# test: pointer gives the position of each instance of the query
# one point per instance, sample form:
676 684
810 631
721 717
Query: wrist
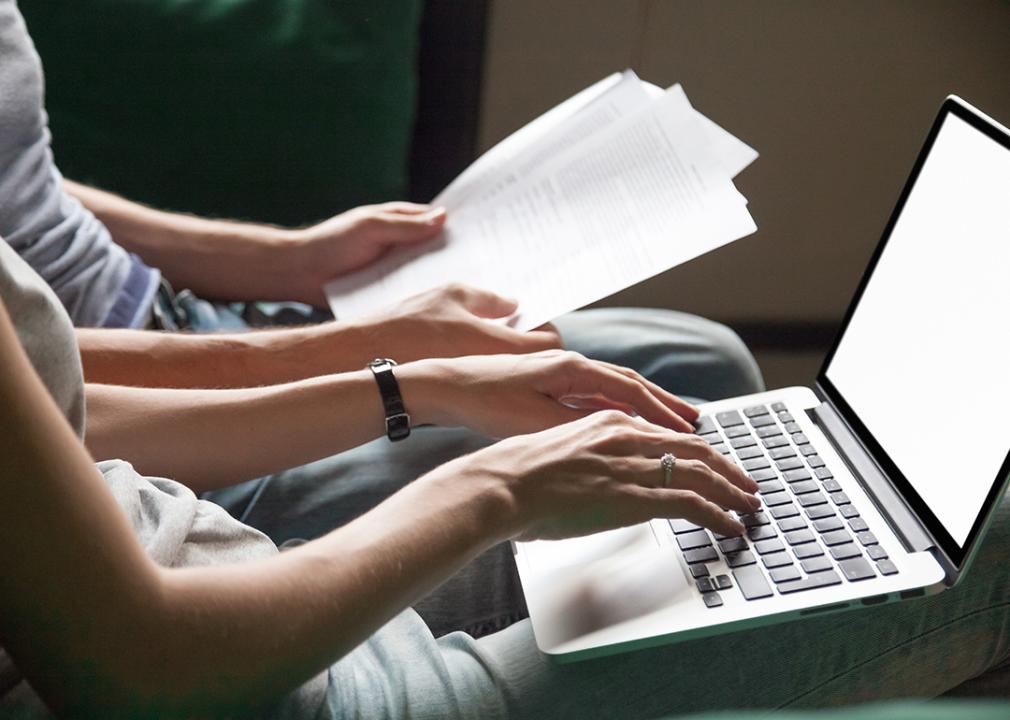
426 391
473 483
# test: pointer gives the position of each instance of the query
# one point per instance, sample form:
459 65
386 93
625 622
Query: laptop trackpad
590 583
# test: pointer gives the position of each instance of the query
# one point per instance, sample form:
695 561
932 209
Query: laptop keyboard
807 534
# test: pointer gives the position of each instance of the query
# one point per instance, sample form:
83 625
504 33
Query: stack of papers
618 183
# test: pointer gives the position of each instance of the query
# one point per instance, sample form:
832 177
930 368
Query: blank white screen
923 362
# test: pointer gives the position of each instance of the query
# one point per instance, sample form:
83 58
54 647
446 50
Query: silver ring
667 462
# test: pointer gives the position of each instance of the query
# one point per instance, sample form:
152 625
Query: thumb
484 303
399 227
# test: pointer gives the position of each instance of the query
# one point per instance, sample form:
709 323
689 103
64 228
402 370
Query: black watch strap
397 419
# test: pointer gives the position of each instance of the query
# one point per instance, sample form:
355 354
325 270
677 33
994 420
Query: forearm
145 358
213 258
135 639
248 633
209 439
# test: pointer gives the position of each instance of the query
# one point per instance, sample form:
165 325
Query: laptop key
712 438
840 498
683 526
856 569
705 554
848 511
728 418
699 571
784 511
846 551
756 463
712 599
743 441
796 475
761 532
692 540
705 584
806 450
811 582
876 552
774 441
752 583
776 498
755 410
704 424
858 524
722 582
770 545
815 565
766 474
799 537
867 538
815 461
836 537
739 559
811 499
778 407
749 453
780 453
807 550
886 567
820 511
732 545
753 519
804 486
792 428
792 523
786 417
768 431
822 473
763 421
800 439
770 486
778 559
790 464
828 524
832 485
785 574
737 431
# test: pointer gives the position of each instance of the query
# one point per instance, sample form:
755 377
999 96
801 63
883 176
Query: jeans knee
736 365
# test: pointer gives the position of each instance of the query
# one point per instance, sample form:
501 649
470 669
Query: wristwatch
397 419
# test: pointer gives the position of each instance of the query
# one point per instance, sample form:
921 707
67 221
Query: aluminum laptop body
872 493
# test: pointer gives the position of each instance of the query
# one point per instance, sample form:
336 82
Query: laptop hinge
890 503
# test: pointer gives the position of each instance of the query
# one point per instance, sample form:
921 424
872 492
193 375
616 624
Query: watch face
398 426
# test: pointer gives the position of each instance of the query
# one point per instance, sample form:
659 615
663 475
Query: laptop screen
922 363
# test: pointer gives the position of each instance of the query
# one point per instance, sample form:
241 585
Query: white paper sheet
630 200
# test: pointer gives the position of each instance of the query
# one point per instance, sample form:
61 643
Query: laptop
872 490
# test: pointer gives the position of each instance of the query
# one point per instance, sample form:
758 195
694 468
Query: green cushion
941 709
276 110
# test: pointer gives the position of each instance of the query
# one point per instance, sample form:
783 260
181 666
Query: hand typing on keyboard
602 472
807 534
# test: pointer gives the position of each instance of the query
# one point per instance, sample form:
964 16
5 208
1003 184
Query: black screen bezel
948 545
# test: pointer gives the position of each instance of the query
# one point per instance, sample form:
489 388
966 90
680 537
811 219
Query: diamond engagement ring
667 462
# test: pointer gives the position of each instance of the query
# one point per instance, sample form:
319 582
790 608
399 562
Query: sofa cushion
276 110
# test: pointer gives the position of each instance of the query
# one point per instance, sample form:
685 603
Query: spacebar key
817 580
751 582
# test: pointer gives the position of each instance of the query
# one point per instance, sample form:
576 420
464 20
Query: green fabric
276 110
923 710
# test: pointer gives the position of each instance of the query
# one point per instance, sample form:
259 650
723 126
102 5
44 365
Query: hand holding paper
618 184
